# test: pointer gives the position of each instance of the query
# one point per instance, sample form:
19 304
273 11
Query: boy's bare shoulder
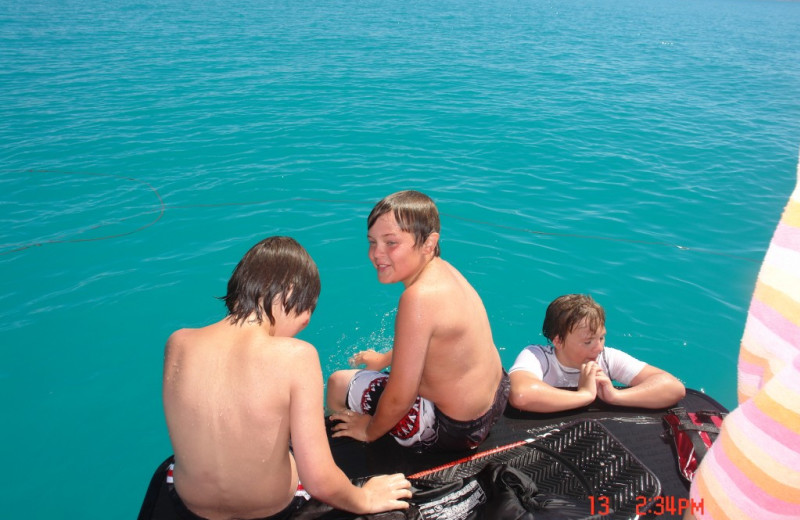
420 298
181 335
188 336
291 347
192 333
179 339
283 357
441 281
213 336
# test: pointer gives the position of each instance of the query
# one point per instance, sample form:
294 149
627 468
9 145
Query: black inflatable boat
606 462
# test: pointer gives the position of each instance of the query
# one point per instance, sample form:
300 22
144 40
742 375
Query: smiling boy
447 386
578 358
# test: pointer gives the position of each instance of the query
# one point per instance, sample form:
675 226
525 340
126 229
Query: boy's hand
386 492
587 379
351 424
605 388
371 359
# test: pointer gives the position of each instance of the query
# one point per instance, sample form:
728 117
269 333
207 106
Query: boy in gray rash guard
578 358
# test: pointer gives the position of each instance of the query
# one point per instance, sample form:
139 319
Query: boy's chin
385 278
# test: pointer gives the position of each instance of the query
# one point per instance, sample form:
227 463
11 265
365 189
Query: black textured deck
566 461
618 451
638 429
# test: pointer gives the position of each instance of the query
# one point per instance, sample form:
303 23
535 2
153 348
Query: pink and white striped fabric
753 469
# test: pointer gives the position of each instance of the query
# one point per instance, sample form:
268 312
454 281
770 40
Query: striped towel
753 469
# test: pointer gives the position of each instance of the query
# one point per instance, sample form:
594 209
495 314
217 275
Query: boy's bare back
442 305
226 397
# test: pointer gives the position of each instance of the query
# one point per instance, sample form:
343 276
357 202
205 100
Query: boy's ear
277 305
557 341
430 243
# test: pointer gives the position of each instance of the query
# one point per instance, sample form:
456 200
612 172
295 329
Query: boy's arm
651 388
372 360
413 331
531 394
318 472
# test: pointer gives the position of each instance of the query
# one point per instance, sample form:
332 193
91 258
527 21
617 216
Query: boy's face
393 253
580 346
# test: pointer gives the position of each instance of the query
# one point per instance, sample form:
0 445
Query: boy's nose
376 252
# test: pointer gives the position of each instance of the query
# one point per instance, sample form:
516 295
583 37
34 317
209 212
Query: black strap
693 430
690 426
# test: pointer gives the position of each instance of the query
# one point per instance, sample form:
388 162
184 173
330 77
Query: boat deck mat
639 430
630 436
576 459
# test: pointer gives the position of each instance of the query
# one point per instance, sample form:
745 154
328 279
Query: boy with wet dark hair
447 386
237 392
264 274
578 358
566 312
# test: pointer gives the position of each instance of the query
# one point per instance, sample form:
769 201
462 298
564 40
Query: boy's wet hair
276 267
566 312
414 212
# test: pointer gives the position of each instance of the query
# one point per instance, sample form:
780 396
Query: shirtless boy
447 386
578 358
238 391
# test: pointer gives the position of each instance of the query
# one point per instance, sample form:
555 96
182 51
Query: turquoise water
640 151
